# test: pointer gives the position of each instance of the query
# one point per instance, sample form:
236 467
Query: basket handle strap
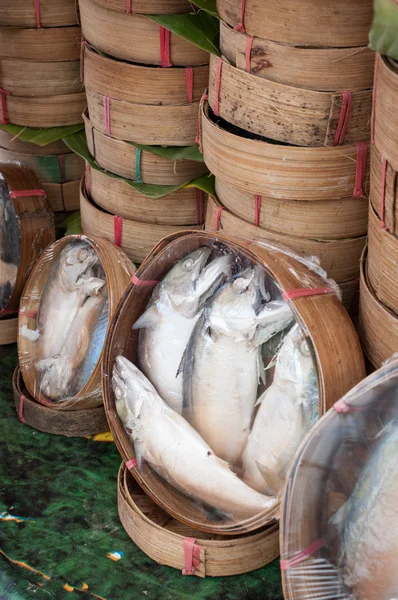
191 556
143 282
241 24
189 74
118 229
164 39
130 464
25 193
128 7
362 154
4 94
344 119
37 13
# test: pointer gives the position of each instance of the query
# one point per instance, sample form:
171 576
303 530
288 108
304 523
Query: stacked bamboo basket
41 87
143 87
286 125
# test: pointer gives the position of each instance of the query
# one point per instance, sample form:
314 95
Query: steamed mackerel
176 451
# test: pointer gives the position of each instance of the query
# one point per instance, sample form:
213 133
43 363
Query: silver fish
175 306
175 450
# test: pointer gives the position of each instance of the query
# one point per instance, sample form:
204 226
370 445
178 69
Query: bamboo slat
133 37
118 272
150 7
13 143
334 23
63 197
51 111
385 117
284 113
48 169
330 219
55 43
278 171
327 69
326 323
8 331
53 13
383 189
31 78
162 538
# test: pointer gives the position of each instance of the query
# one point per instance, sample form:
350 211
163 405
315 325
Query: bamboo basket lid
71 423
124 159
31 78
323 69
8 331
330 219
336 350
63 197
43 13
162 538
284 113
339 258
48 111
136 238
150 7
144 124
57 43
309 23
49 169
385 119
134 37
278 171
118 271
13 143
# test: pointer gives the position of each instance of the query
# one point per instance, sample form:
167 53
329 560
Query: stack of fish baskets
286 125
143 88
41 87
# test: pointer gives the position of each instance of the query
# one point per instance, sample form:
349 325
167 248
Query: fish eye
118 393
240 285
188 264
83 255
304 349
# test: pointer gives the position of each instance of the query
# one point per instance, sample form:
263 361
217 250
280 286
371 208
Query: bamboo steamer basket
114 195
323 69
118 272
336 348
334 23
49 169
30 78
350 295
134 37
13 143
330 219
63 197
121 157
162 537
8 331
150 7
47 111
385 119
339 258
284 113
76 423
51 13
278 171
383 189
57 43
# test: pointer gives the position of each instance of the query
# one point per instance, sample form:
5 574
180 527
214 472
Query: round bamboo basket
383 189
76 423
114 195
150 7
385 118
30 78
339 258
330 219
278 171
48 169
162 538
336 350
13 143
284 113
57 43
51 13
134 37
350 295
322 69
118 272
8 331
121 157
47 111
335 23
63 197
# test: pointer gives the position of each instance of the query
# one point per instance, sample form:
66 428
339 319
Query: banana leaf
43 136
73 224
173 152
201 29
383 35
209 6
204 183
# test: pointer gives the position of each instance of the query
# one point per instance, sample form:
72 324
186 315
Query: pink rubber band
373 117
344 119
343 408
199 129
143 282
241 25
4 94
86 176
82 46
128 6
25 193
301 556
257 209
189 83
20 409
37 13
218 218
130 464
362 152
118 229
61 164
200 206
383 193
217 87
164 38
28 313
8 311
191 556
107 115
249 45
304 292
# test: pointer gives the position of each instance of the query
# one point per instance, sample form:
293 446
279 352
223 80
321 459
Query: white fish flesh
175 450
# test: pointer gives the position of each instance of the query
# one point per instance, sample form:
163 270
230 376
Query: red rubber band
20 409
128 6
257 209
344 119
118 229
199 129
164 38
343 408
241 25
218 218
28 313
301 556
200 206
4 94
8 311
217 87
249 45
82 46
304 292
362 152
25 193
143 282
373 117
130 464
383 193
189 83
61 165
37 13
107 115
191 556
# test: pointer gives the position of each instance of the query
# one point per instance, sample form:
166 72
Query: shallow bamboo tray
162 538
150 7
332 23
49 169
71 423
284 113
48 111
133 37
330 219
326 69
63 197
385 117
8 331
53 13
31 78
339 258
55 43
13 143
278 171
336 348
118 272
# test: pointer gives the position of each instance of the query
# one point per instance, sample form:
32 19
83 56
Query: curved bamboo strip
48 169
328 327
53 13
8 331
13 143
330 219
134 37
31 78
323 69
385 117
150 7
332 23
57 43
278 171
284 113
51 111
63 197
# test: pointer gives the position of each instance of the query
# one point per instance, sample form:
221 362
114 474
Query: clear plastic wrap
10 244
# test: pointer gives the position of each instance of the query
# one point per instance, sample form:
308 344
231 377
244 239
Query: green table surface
59 524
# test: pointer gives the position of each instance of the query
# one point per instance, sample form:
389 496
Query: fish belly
57 312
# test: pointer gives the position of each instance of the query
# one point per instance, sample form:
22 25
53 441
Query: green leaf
210 6
41 137
205 183
73 224
383 35
201 29
173 153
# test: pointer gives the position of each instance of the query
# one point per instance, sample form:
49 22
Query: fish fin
182 362
274 482
148 318
261 375
91 286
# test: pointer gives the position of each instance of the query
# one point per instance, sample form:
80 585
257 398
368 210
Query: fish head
56 373
75 260
134 394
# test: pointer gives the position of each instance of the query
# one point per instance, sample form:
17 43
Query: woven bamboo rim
134 37
150 7
339 258
284 113
57 43
162 538
277 171
71 423
63 197
8 331
13 143
336 348
326 69
31 78
385 119
118 272
49 111
330 219
50 169
121 158
311 23
51 13
114 195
